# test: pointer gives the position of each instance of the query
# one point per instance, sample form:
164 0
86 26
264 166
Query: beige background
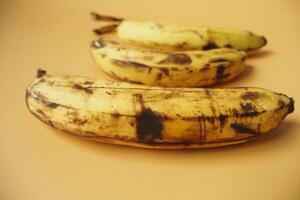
39 163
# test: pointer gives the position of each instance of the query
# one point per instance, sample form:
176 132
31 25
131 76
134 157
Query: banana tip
265 41
40 73
291 105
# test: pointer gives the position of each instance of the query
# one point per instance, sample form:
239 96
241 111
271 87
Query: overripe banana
166 68
154 117
171 36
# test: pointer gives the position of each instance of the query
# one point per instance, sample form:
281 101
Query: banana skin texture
180 37
166 68
155 117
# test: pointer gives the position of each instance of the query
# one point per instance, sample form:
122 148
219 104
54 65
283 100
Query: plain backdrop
40 163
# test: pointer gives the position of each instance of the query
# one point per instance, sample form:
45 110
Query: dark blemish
51 123
249 110
213 109
207 92
123 63
205 67
220 72
280 104
97 44
149 70
106 29
115 75
40 73
149 126
135 82
109 93
86 89
251 95
178 115
243 58
241 128
40 112
148 123
222 119
159 77
165 71
131 123
115 115
88 83
228 46
179 58
182 45
79 121
210 45
291 105
218 60
51 105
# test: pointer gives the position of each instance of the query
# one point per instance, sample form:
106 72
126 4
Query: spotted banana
166 68
155 117
172 36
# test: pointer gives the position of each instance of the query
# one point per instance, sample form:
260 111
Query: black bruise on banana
148 124
250 110
123 63
251 95
209 46
178 58
241 128
228 46
165 71
85 89
159 77
220 72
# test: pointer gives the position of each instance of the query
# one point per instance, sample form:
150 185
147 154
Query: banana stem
106 29
98 17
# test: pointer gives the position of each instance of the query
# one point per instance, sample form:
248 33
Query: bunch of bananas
161 110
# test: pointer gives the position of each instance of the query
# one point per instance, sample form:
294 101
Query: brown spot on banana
220 72
209 46
178 58
123 63
148 123
241 128
88 90
250 110
251 95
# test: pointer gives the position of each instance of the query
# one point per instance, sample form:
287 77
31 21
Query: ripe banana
155 117
165 68
172 36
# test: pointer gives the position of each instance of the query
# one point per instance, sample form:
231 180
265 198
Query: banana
179 37
155 117
166 68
